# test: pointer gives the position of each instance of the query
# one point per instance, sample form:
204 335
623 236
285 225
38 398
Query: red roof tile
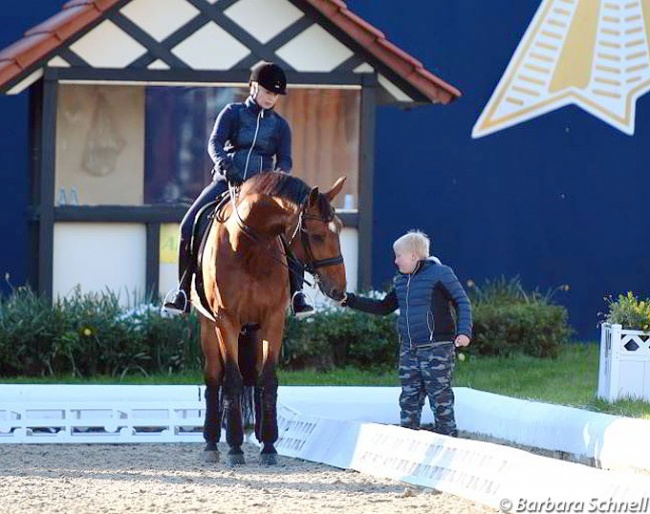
49 35
100 5
29 49
363 24
67 22
78 14
8 70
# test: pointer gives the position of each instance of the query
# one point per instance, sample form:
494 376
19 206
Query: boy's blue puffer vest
424 298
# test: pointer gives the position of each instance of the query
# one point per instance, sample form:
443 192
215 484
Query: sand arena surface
172 478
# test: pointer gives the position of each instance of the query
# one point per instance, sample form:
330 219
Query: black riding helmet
270 76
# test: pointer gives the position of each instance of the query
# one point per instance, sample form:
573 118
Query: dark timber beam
44 139
366 182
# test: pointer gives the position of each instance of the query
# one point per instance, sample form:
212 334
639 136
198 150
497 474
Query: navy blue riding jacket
250 138
424 299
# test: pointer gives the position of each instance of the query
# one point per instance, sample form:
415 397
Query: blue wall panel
560 199
16 17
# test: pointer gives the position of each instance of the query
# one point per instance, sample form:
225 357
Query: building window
100 141
134 145
179 123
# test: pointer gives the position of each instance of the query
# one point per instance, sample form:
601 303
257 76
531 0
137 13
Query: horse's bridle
312 264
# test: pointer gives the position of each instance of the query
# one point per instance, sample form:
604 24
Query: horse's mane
284 186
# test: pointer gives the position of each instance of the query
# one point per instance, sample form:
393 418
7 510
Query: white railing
100 414
624 363
331 425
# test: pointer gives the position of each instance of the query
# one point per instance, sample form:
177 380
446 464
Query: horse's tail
248 345
246 357
247 348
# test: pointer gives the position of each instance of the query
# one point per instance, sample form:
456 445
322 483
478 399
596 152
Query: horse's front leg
267 431
213 377
228 334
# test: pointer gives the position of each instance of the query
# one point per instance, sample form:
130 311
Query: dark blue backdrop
16 17
559 199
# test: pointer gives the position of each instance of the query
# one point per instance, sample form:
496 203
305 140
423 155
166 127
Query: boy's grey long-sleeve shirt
424 299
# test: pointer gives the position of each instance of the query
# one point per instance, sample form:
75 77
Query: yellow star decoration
591 53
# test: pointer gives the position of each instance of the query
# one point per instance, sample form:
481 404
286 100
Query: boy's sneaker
300 306
178 304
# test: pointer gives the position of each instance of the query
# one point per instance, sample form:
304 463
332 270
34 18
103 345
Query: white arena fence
340 426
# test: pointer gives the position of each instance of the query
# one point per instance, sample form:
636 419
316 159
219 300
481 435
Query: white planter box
624 363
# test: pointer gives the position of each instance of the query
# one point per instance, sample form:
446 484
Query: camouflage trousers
426 373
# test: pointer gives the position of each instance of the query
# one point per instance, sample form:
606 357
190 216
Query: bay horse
245 278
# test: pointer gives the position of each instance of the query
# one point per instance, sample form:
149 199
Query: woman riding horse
246 140
245 273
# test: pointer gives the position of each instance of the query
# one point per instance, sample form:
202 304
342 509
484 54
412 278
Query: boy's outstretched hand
461 340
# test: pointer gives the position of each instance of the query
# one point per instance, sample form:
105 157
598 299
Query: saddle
200 230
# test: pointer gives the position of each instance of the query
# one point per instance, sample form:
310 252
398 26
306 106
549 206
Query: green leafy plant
92 334
629 311
337 337
509 320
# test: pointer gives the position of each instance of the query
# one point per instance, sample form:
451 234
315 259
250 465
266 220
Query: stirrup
171 308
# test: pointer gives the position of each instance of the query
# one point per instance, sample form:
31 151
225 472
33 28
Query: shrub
28 328
535 329
90 334
508 319
630 312
336 337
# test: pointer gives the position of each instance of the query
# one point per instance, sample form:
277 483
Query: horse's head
319 247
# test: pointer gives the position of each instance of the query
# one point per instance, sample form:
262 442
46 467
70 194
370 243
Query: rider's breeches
426 372
296 274
209 194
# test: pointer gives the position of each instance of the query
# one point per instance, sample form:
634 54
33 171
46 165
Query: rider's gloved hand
232 175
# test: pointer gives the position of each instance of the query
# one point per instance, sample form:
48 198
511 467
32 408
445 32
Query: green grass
571 379
343 376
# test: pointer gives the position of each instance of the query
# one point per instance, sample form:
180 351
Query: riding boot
300 307
179 303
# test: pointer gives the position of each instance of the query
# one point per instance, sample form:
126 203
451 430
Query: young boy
423 290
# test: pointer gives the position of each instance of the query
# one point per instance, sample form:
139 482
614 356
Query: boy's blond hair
413 241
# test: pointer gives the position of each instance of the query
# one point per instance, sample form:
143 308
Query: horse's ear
336 189
313 196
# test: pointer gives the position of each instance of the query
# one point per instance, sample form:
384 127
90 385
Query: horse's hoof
268 459
211 456
211 452
236 458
